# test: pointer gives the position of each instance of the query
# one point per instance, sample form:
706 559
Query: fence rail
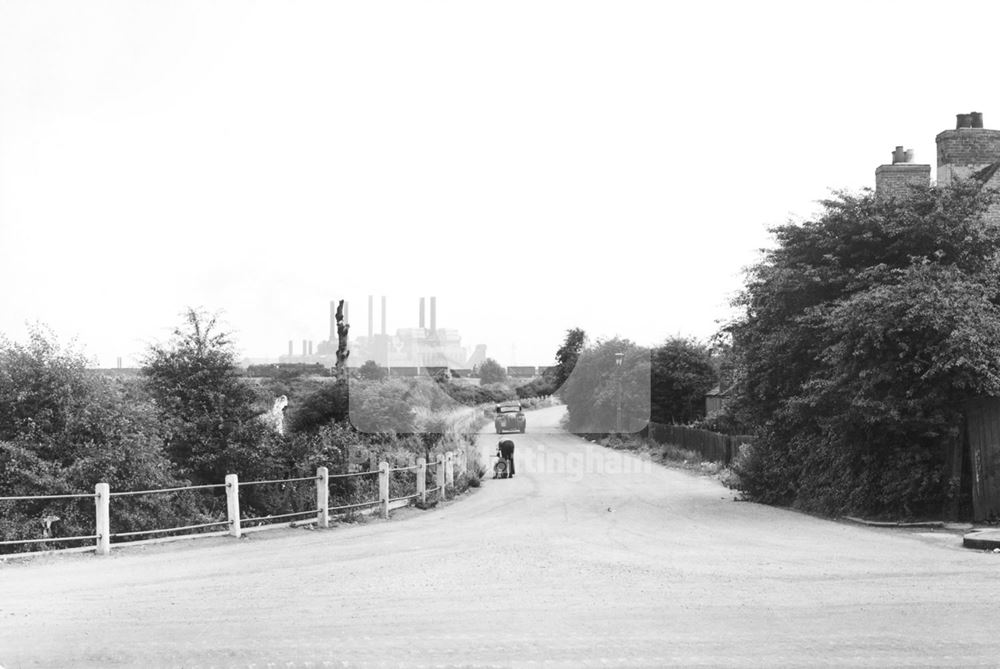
46 540
712 446
301 478
37 497
164 490
443 476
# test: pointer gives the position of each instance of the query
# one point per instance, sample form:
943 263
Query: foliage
371 371
322 406
191 416
287 371
863 334
682 372
591 392
206 409
536 388
567 355
722 421
63 430
384 406
491 372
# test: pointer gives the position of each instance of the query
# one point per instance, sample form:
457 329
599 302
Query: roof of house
987 172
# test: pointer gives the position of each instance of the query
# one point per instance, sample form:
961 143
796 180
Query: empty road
573 563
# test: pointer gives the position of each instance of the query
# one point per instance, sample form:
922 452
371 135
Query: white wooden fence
444 479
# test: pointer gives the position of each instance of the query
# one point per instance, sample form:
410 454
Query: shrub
491 372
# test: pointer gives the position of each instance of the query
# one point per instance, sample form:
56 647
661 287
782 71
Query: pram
500 468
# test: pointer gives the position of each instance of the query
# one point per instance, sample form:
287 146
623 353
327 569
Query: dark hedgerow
862 335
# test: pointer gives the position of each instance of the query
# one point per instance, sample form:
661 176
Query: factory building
407 349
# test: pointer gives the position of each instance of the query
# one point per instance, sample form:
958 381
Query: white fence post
322 497
439 478
102 502
449 468
422 480
233 504
383 488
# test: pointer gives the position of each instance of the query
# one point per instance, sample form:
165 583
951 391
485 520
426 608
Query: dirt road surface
558 567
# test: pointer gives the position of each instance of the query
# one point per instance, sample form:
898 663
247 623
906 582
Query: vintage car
509 418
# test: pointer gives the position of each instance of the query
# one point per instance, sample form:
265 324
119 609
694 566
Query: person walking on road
506 447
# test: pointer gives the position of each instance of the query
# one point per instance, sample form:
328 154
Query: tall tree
682 372
567 355
599 385
207 409
862 335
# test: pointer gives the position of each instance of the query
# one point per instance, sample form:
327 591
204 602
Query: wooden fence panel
711 446
983 425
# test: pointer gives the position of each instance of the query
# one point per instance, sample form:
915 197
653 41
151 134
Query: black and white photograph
544 334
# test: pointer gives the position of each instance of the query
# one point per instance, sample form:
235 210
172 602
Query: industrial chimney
422 324
291 347
383 315
433 315
371 316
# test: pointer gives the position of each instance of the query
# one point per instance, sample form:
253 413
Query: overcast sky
535 165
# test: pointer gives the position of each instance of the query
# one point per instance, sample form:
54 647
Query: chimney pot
976 119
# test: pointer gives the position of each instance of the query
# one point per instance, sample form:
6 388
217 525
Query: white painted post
422 480
102 502
449 468
439 478
233 504
322 497
383 488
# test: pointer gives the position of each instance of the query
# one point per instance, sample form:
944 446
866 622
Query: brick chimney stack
967 149
895 180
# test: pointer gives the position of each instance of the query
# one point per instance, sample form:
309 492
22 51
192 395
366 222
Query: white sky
536 165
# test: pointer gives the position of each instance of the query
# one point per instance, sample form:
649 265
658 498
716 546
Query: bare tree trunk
342 352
